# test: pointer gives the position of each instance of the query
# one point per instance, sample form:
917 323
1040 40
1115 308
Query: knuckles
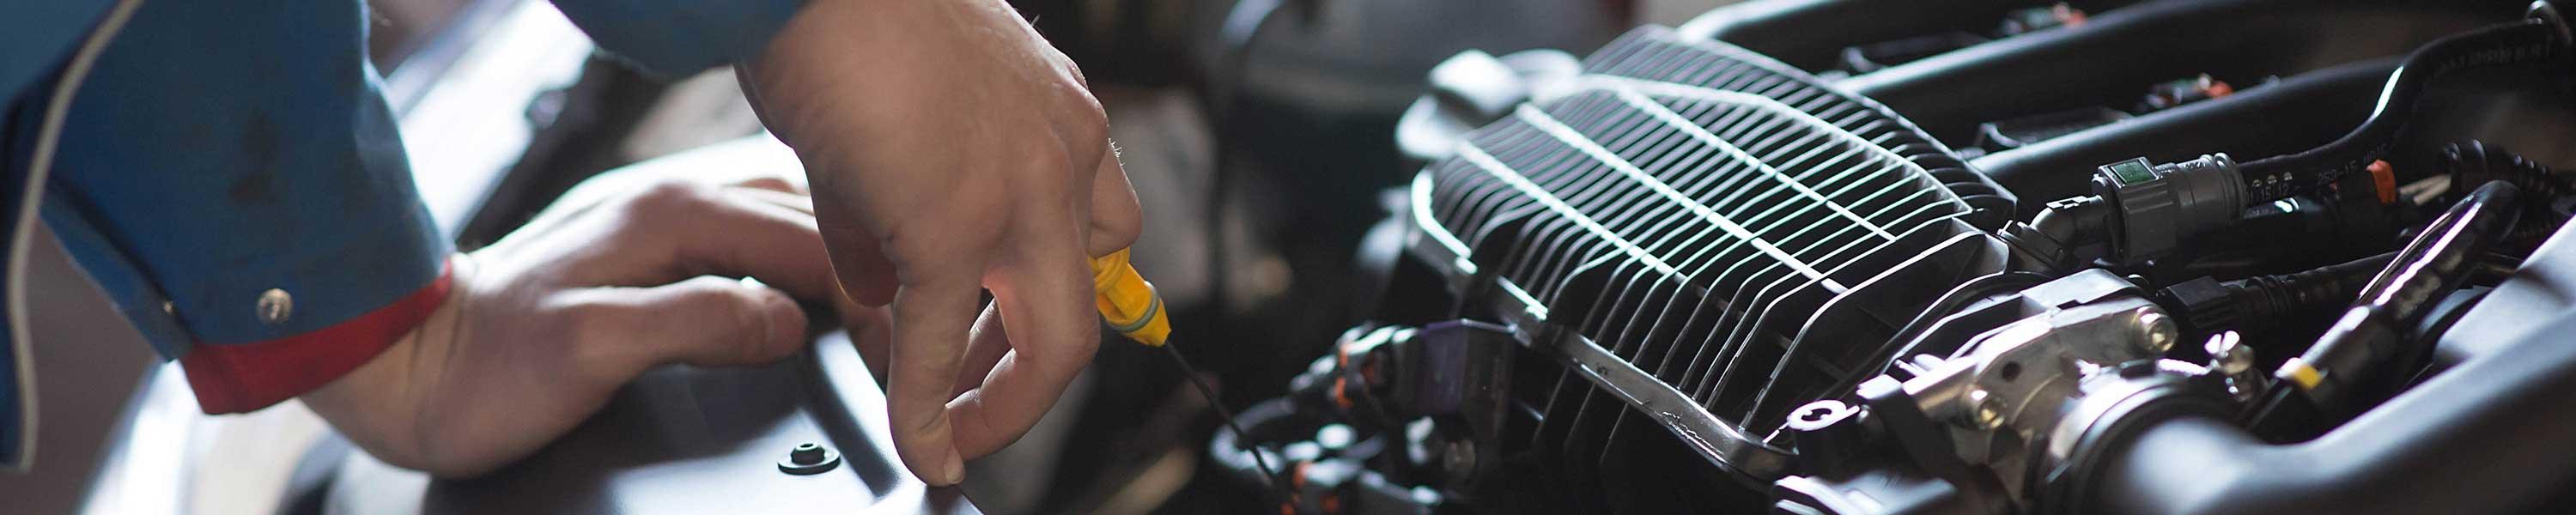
667 197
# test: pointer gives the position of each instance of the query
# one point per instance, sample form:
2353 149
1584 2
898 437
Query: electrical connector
2210 306
2138 211
2157 205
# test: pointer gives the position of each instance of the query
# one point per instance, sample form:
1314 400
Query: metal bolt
1989 410
2227 355
2230 358
2161 332
275 306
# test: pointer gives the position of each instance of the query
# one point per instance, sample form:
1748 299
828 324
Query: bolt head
1989 412
2228 355
2161 331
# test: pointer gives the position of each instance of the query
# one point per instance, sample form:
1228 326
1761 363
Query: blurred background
1260 136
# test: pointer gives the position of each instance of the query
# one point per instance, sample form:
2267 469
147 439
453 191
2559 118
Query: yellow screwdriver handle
1127 301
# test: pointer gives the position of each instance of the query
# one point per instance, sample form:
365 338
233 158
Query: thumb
1116 219
710 321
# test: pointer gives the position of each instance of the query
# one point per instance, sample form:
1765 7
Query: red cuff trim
246 377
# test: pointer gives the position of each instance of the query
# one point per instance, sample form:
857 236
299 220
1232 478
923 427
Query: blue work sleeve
35 40
37 36
230 175
680 37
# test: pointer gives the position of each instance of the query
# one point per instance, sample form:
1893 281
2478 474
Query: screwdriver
1129 304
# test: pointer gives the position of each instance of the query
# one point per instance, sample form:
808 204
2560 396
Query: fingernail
953 471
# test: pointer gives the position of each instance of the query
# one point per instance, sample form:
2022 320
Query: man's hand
951 151
540 328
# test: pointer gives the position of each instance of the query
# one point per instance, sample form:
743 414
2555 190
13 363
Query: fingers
1047 310
867 324
705 321
985 347
1116 220
1043 327
715 231
932 314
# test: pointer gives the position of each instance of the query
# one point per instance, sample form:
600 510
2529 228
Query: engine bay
1977 257
1572 256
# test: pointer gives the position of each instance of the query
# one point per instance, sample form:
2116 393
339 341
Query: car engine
1888 256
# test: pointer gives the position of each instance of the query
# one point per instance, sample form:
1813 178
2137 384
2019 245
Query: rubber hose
2531 41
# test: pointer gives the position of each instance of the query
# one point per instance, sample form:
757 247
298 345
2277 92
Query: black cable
2445 252
2475 162
2535 40
2379 325
1277 481
2262 302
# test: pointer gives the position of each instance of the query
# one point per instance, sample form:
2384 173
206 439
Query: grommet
275 306
808 459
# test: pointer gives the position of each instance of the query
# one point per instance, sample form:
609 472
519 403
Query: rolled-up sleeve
230 175
680 37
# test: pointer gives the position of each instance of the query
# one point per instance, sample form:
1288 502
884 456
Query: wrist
379 405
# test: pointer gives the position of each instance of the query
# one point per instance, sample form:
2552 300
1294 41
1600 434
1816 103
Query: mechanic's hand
952 151
540 329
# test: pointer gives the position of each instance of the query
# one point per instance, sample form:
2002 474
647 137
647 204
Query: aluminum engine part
2018 376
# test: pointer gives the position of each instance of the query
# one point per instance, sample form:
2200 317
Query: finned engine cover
1688 227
